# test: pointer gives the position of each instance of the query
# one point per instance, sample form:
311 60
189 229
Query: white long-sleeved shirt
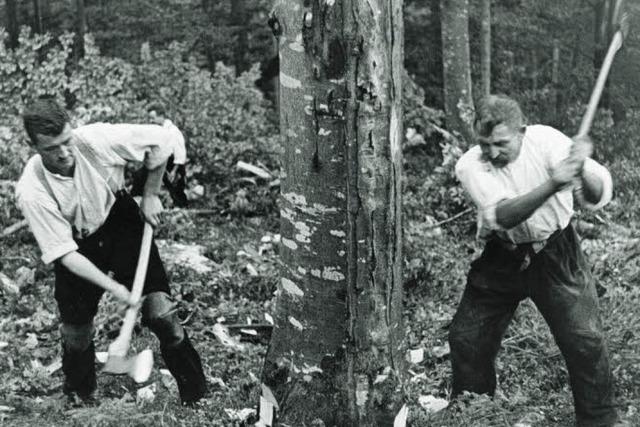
543 147
59 208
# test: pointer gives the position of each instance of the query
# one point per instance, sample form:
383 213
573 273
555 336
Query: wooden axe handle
120 346
587 119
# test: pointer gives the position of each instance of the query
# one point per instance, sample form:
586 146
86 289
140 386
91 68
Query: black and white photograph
320 213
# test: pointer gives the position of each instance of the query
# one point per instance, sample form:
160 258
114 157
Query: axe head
623 25
137 367
619 18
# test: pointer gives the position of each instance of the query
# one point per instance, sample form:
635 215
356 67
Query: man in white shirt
71 193
522 180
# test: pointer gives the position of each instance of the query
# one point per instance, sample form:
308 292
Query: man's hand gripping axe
139 366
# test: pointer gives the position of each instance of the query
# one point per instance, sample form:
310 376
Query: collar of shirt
84 199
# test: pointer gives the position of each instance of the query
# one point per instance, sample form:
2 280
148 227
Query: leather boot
79 371
184 363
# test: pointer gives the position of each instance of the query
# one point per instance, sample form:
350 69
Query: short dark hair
497 109
44 116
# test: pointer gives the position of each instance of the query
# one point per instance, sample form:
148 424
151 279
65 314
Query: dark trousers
559 282
114 249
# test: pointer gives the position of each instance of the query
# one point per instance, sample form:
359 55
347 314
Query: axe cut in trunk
139 366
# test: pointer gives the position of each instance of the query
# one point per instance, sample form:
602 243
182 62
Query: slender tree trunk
45 9
37 17
239 22
510 64
335 356
485 43
534 70
458 99
435 77
80 26
555 81
276 79
11 13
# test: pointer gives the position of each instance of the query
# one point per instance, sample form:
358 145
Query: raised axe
140 365
622 24
621 20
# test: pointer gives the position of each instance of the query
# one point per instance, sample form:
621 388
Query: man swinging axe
523 179
71 193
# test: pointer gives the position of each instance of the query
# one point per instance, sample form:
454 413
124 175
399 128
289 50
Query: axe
622 23
139 366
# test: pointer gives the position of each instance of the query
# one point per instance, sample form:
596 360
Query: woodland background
211 66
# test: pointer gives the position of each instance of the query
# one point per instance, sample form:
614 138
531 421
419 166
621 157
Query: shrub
224 118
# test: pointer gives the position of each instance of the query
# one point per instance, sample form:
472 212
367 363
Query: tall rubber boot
79 371
184 363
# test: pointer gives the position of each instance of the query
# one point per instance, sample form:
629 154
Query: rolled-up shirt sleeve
179 146
594 168
51 230
484 189
558 147
151 144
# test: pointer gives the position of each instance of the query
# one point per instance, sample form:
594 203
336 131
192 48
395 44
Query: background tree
458 99
485 43
335 353
11 20
37 17
80 26
239 21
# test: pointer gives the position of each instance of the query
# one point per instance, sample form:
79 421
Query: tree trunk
37 17
11 13
485 43
510 64
335 356
239 22
80 25
45 11
555 82
534 70
458 100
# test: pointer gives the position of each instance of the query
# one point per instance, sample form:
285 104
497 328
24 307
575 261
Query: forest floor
235 286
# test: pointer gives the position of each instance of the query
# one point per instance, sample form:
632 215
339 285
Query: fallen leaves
9 285
222 334
432 404
185 255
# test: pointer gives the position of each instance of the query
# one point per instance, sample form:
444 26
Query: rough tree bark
11 14
485 43
335 356
458 100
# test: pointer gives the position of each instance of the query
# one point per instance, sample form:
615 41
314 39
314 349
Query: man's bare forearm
154 181
79 265
516 210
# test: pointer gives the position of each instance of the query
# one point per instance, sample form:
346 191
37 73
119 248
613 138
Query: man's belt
527 250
